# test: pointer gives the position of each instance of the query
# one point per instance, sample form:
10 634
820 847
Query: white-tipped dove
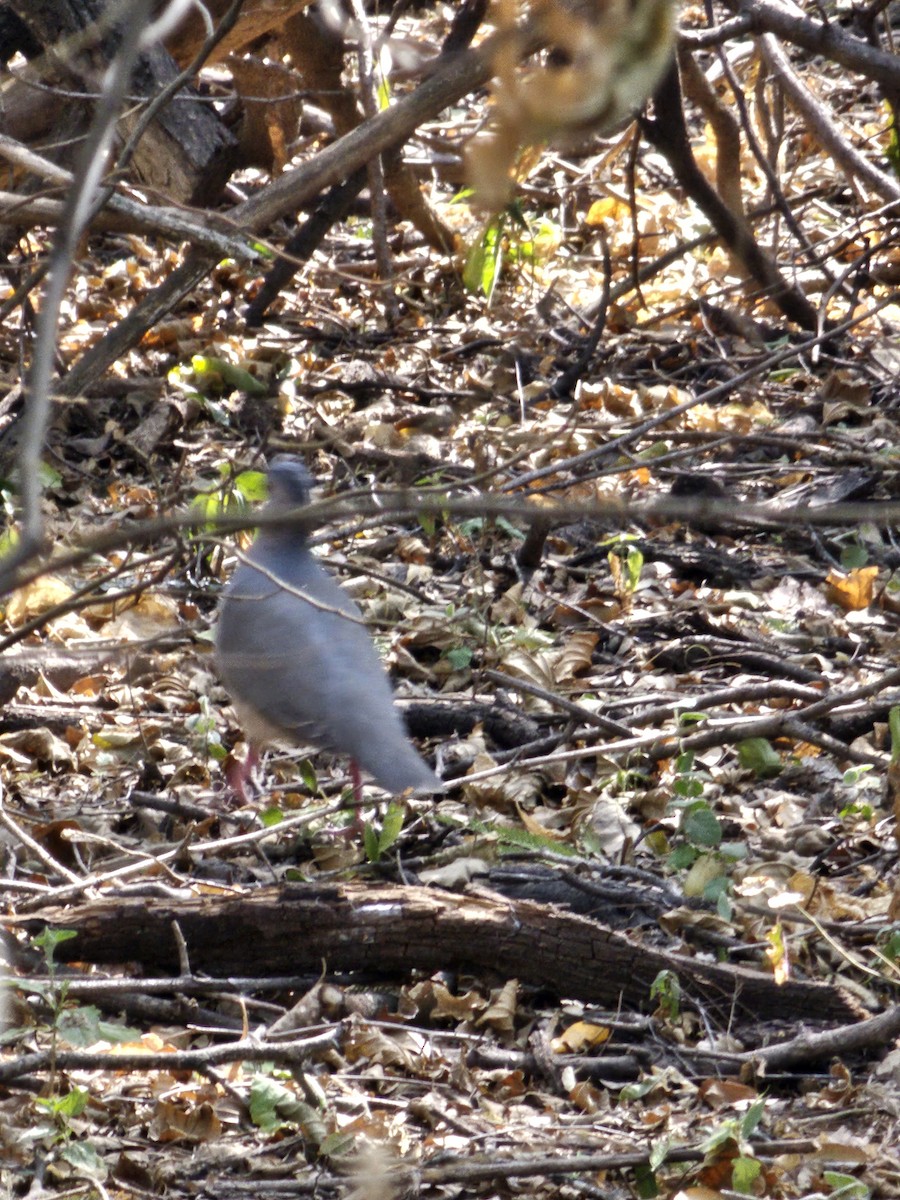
292 650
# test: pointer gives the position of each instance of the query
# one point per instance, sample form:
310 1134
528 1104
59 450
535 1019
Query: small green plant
863 791
203 727
626 570
701 851
737 1131
231 498
506 238
666 991
55 992
378 840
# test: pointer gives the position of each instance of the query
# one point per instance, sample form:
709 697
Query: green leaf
459 657
703 876
752 1117
272 1105
85 1026
759 756
700 825
84 1160
847 1187
308 775
48 476
251 486
47 941
744 1174
717 889
391 827
9 539
636 1091
854 557
370 842
71 1104
484 262
218 374
688 787
631 563
337 1144
682 857
890 947
685 717
855 775
645 1182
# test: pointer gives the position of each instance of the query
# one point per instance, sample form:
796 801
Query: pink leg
237 773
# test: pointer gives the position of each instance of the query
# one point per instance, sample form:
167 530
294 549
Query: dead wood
186 153
318 53
257 17
821 37
394 928
667 132
335 163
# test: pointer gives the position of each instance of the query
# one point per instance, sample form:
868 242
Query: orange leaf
854 591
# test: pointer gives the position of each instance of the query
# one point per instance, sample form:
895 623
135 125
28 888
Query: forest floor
675 725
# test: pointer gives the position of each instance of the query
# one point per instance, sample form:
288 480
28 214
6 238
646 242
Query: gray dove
295 656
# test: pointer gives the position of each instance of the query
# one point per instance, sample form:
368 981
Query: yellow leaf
581 1035
610 208
851 592
777 953
35 598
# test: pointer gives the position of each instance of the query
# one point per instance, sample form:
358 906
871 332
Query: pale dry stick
659 744
578 711
863 692
825 38
131 870
762 159
841 950
122 215
49 862
407 503
880 1030
252 1049
733 30
195 985
729 730
819 123
148 860
703 701
178 223
469 1170
90 166
861 263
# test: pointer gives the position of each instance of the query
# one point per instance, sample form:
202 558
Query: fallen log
399 929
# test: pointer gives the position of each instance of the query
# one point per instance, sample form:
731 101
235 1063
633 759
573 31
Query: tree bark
186 153
394 928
